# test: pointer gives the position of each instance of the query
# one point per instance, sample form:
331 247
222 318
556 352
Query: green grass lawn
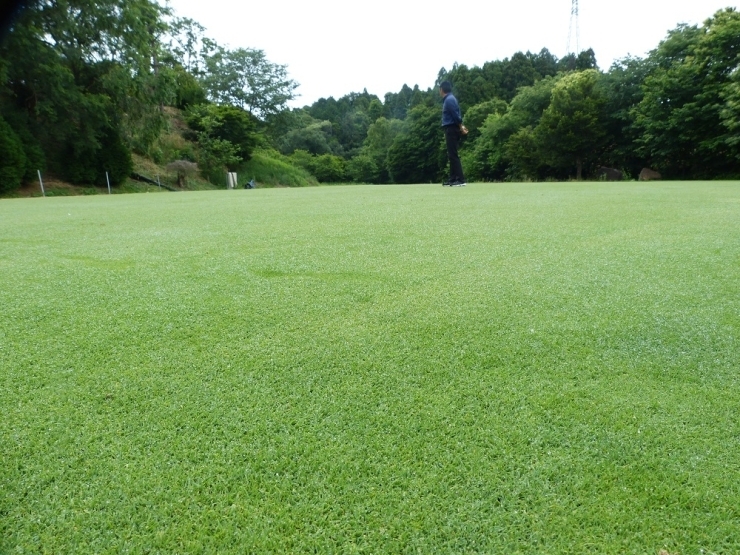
544 368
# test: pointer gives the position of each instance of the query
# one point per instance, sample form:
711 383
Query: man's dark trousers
452 138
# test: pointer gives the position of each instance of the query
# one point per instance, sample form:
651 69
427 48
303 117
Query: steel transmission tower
573 27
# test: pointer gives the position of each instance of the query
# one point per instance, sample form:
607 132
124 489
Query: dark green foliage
84 82
349 117
477 115
276 126
571 132
89 165
12 158
316 138
622 88
329 109
398 104
363 169
188 92
491 157
373 164
326 168
226 123
374 109
685 117
78 77
417 154
21 126
114 158
226 137
524 153
583 61
500 78
353 129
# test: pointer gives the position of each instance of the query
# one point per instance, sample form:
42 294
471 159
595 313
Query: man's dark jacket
450 111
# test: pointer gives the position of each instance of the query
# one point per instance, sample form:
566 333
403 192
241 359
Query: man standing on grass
452 124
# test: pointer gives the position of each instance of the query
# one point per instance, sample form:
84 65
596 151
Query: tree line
86 83
536 117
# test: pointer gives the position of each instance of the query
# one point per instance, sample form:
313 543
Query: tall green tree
80 76
571 132
246 78
186 42
417 154
685 118
316 138
623 89
226 123
373 165
490 158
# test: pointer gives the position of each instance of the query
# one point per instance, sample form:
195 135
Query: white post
41 183
108 180
158 182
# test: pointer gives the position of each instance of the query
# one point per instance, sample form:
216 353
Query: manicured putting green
539 368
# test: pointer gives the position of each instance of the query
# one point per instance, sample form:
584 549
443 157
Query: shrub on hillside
87 164
183 169
225 123
268 167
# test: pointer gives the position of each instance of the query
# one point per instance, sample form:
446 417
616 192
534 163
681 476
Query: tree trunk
579 166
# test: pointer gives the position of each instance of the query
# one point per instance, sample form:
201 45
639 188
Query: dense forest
86 86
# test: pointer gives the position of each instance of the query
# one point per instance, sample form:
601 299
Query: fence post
41 183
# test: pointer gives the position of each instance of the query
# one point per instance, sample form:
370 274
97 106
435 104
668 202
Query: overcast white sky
334 47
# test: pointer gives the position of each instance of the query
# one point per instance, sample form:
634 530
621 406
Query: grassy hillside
267 167
547 368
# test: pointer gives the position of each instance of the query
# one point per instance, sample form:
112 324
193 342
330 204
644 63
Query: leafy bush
225 123
327 168
188 91
21 124
86 163
183 169
114 158
362 169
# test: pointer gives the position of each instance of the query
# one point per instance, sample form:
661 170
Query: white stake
41 183
108 180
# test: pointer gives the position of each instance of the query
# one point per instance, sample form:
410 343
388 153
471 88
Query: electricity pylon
573 26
